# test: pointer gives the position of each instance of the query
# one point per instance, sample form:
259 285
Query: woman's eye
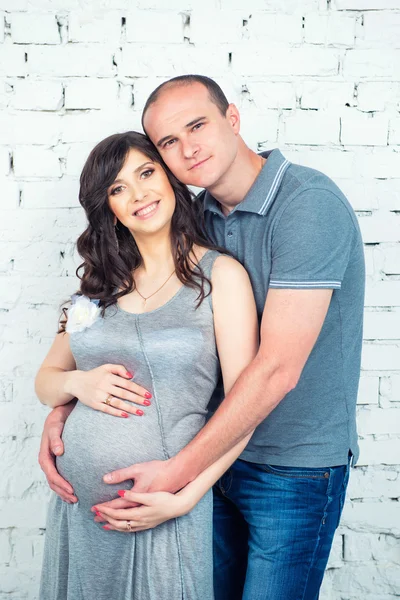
116 190
146 174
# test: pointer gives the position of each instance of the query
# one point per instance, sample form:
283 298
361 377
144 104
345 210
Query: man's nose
189 149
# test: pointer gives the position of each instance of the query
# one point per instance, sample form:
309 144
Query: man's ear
233 116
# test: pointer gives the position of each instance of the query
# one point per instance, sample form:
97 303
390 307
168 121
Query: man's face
196 141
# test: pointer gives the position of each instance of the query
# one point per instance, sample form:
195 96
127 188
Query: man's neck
232 188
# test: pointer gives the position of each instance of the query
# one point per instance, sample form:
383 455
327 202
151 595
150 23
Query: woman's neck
156 253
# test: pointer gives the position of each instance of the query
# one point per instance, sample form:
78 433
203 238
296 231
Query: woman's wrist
71 378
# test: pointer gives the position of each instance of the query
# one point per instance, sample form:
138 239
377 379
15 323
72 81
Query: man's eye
146 174
169 143
197 126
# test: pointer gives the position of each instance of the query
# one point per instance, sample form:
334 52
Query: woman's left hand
156 508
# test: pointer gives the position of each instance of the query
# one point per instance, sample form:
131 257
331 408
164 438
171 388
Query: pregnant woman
158 312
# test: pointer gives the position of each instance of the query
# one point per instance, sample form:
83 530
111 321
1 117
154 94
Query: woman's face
141 197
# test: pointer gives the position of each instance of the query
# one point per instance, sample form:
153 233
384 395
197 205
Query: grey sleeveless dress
172 353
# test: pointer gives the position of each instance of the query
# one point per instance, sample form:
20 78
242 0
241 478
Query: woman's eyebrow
149 162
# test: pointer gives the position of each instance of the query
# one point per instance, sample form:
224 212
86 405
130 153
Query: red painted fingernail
98 514
128 374
146 402
139 412
121 493
106 527
95 509
125 415
148 395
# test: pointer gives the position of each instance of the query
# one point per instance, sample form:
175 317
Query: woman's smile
147 211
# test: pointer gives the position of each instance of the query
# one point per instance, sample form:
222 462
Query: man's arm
292 321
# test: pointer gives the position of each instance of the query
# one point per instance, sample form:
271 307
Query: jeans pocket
296 472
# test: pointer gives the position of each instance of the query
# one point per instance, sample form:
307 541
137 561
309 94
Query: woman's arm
55 372
236 331
237 337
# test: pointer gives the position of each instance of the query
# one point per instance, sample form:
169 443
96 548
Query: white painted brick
96 125
9 196
275 27
335 29
1 27
365 4
12 61
36 161
334 163
259 128
317 94
390 388
378 163
61 226
372 63
310 128
266 95
388 193
34 28
361 194
71 60
144 26
289 6
380 517
378 420
76 157
382 293
378 96
30 127
37 95
380 357
362 129
6 392
368 390
356 580
139 60
283 61
5 547
93 26
59 193
10 291
380 227
4 160
392 260
382 325
370 260
381 29
394 132
374 482
365 547
91 93
48 291
13 514
6 94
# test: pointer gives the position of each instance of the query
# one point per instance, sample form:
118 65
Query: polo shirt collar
263 191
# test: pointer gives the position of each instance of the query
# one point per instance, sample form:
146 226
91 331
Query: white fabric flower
81 314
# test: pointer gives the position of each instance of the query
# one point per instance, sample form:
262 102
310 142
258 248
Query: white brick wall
319 78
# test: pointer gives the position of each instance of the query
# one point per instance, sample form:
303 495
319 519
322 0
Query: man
277 508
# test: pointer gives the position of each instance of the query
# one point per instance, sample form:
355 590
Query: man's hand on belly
153 476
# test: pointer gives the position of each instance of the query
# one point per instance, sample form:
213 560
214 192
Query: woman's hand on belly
155 508
105 389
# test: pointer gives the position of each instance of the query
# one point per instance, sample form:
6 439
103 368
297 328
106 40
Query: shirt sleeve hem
328 284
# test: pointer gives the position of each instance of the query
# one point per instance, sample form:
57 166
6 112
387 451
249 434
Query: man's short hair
216 94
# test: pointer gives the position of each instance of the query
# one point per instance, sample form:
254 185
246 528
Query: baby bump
96 443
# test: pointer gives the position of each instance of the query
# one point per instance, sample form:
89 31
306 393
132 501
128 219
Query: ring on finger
129 526
108 400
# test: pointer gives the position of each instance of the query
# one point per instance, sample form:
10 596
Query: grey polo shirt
296 230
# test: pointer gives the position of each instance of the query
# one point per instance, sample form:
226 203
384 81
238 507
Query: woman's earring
116 238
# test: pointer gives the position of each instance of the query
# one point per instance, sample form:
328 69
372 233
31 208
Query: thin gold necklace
145 298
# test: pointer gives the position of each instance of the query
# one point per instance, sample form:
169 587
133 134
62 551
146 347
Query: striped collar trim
256 201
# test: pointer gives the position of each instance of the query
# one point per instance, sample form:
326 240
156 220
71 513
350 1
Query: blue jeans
273 530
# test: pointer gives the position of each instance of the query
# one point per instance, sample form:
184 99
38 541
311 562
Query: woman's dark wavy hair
108 266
